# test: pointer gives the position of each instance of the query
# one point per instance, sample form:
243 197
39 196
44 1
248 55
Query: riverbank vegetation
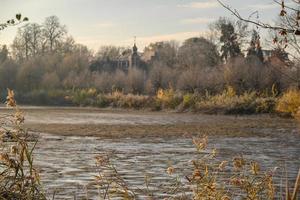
19 178
227 102
211 74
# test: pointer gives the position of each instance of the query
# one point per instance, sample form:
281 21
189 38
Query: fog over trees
45 57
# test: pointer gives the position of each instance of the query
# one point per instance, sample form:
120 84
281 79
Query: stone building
130 58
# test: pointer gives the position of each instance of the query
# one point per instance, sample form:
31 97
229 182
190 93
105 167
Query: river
67 162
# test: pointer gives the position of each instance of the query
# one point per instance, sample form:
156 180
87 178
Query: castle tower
135 59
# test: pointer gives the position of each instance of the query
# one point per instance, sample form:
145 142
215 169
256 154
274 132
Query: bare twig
259 23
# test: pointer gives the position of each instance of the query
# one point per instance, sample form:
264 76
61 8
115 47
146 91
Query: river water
67 163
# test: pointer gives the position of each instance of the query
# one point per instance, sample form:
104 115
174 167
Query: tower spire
135 55
135 49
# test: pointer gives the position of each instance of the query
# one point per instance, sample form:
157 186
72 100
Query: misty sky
116 22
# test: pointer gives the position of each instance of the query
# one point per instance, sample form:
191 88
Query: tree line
45 57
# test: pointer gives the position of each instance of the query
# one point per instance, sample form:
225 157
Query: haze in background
116 22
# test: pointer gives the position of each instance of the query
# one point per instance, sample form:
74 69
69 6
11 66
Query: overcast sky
116 22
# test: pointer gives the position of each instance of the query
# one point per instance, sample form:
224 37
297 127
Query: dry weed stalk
209 179
109 182
19 179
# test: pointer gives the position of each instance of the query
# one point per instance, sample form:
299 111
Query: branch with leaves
12 22
295 29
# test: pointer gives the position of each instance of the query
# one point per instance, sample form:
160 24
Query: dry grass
228 102
121 100
289 102
168 99
19 179
244 179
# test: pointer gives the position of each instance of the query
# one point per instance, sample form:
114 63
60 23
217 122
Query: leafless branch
286 6
259 23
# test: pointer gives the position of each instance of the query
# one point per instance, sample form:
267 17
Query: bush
121 100
84 97
265 105
189 100
44 97
101 101
228 102
133 101
289 102
169 98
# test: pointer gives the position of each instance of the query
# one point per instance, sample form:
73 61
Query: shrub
114 98
289 102
189 100
84 97
228 102
265 105
101 101
59 97
132 101
217 103
249 74
135 81
168 98
44 97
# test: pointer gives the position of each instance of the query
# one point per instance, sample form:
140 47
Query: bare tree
8 71
53 32
109 53
21 43
3 54
198 52
135 82
163 52
36 39
28 41
287 31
